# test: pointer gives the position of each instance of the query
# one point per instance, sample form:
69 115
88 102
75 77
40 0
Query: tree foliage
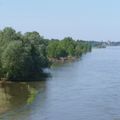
67 48
23 56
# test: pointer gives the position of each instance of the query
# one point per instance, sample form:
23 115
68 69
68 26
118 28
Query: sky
80 19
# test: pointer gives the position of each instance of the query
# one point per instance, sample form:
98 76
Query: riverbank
78 85
25 56
62 59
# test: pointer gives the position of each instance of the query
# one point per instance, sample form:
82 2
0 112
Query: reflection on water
15 95
88 89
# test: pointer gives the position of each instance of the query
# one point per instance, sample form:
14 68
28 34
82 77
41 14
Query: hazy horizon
86 20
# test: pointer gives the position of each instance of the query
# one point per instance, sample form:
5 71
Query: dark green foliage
23 56
67 48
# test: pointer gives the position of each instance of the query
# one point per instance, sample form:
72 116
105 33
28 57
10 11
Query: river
87 89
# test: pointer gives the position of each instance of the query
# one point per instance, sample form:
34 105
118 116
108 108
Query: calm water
88 89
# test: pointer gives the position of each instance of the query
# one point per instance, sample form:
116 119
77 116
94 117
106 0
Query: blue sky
80 19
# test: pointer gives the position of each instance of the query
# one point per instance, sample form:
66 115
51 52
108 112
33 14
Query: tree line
23 56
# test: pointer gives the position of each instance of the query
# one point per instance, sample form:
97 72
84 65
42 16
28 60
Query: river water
88 89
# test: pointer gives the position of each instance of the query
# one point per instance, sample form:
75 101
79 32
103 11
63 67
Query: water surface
88 89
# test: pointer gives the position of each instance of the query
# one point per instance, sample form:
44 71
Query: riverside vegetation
24 56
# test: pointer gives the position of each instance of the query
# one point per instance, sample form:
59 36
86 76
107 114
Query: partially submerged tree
23 56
